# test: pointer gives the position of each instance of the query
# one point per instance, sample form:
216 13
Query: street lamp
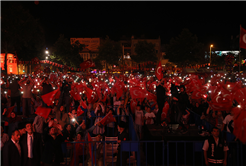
210 53
47 52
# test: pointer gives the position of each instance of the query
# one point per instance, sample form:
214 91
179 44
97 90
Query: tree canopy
144 52
109 51
66 53
185 49
21 32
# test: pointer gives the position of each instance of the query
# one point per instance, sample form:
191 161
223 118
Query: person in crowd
110 127
161 97
4 137
13 121
184 121
39 124
229 122
15 93
220 120
36 103
52 152
122 111
197 109
97 150
149 117
73 117
123 136
68 133
11 154
80 150
82 129
62 117
27 84
31 146
215 149
65 95
139 121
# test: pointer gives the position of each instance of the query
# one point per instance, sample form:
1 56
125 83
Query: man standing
27 84
12 151
215 149
123 136
161 97
31 145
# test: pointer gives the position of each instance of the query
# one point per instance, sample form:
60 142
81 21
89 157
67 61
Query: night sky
212 22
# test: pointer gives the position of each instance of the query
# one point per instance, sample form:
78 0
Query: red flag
43 111
158 71
108 119
90 144
83 104
137 93
79 111
49 97
75 95
10 109
164 111
242 42
240 127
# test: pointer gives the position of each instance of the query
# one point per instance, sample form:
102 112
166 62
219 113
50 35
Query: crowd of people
31 139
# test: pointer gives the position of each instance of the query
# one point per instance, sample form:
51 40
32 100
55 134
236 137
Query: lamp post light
210 53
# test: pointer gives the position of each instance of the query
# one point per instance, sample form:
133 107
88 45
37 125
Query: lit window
10 69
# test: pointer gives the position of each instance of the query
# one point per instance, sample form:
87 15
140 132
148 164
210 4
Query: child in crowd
149 116
139 121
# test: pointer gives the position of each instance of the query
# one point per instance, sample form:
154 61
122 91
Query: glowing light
239 106
22 92
5 92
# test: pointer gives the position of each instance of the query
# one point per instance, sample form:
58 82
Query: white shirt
17 146
138 117
149 116
227 120
29 146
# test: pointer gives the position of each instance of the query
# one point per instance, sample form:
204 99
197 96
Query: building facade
91 47
11 63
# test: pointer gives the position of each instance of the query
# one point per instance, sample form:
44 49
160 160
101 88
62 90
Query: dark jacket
37 148
52 149
11 156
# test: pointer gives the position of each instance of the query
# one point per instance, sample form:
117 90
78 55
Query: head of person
83 126
79 136
12 115
68 127
215 132
121 126
138 107
182 88
15 136
53 131
148 110
29 128
61 108
73 111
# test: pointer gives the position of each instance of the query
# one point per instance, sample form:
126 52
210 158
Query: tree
65 52
144 52
110 52
21 33
185 49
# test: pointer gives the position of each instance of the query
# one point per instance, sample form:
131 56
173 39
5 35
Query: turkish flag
49 97
90 145
137 93
43 111
108 119
151 96
164 111
240 127
158 71
10 109
79 111
242 43
75 95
